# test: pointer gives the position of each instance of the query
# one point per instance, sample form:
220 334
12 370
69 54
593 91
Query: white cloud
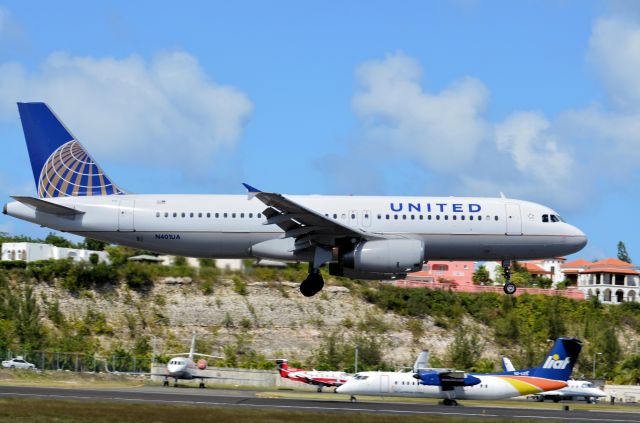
535 149
439 130
614 49
162 111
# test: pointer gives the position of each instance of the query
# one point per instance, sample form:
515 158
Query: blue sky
536 99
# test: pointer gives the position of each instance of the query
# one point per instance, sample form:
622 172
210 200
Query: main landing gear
509 287
165 382
201 386
313 283
448 401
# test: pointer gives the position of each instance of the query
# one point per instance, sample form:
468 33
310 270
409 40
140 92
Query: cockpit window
360 377
545 218
554 218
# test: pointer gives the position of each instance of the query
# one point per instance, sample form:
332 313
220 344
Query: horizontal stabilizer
46 207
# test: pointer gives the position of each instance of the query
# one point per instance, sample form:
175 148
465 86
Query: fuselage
181 368
227 226
403 384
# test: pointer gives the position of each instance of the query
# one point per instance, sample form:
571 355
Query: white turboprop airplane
452 385
358 237
575 388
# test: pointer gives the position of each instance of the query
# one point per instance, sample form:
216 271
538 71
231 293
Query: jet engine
395 256
202 364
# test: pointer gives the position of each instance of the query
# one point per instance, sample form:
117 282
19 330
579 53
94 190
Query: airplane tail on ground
558 365
422 362
61 165
192 350
507 365
283 367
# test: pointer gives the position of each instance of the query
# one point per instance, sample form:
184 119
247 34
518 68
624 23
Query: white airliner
575 388
358 237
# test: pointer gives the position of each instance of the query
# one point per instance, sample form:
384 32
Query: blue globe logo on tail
61 165
70 171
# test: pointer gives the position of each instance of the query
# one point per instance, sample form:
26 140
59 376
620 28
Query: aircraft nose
340 389
577 240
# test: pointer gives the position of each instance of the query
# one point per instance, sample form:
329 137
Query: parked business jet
452 385
183 367
575 389
358 237
319 378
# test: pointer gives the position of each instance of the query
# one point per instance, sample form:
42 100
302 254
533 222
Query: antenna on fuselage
502 195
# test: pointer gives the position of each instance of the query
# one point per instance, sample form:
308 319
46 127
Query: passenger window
395 216
241 215
184 214
413 217
437 217
157 214
379 216
479 217
462 217
224 215
217 215
387 217
233 215
545 218
190 214
404 217
421 217
496 218
175 214
259 215
353 216
208 214
166 214
199 214
446 217
488 217
250 215
455 217
366 216
429 217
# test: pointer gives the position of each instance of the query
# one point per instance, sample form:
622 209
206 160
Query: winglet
251 191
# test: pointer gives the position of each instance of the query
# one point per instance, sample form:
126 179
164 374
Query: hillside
251 318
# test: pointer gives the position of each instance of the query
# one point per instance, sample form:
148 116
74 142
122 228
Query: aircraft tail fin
283 367
192 350
507 365
422 362
558 365
61 166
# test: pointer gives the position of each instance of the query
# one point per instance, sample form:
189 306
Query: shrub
136 275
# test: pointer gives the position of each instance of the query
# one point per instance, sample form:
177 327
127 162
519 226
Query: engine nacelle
202 364
386 256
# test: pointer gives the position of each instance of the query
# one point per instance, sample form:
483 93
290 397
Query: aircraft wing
46 206
307 226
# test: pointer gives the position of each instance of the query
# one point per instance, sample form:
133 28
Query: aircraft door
366 218
384 383
353 218
125 216
514 220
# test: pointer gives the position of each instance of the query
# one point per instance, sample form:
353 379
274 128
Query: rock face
277 319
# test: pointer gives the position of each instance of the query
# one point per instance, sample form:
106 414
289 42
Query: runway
246 398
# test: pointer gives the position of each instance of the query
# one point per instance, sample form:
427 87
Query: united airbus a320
361 237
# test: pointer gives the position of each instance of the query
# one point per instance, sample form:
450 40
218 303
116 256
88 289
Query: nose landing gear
509 287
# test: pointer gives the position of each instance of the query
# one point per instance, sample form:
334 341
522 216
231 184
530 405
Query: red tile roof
576 263
534 269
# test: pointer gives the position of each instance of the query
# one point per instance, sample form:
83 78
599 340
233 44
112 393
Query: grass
18 377
46 411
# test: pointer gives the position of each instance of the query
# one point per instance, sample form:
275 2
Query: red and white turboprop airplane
312 377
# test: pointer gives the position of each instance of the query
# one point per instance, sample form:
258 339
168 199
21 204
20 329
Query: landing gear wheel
165 383
509 288
312 284
353 399
319 388
201 386
449 402
175 384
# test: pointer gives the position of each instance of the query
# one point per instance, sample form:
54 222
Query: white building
610 280
225 264
32 251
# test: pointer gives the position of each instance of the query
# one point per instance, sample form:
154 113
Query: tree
58 241
481 276
94 244
622 252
